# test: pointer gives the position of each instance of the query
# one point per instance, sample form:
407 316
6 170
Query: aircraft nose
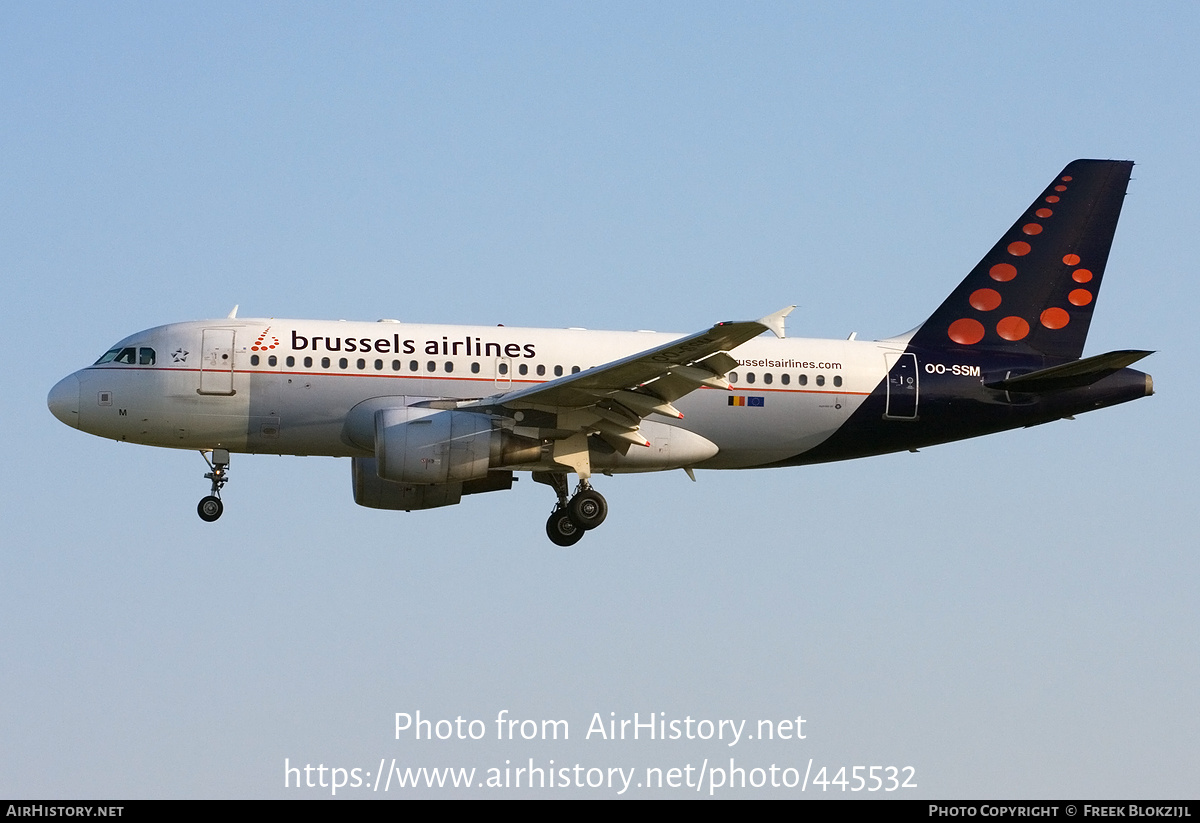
63 401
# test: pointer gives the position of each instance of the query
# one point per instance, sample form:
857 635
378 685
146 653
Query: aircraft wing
612 399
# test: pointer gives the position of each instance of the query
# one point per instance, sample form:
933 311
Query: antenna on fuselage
233 313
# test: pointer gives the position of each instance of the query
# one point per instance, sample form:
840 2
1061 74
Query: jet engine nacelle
374 492
445 447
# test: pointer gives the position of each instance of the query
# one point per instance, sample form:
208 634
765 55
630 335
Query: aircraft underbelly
786 424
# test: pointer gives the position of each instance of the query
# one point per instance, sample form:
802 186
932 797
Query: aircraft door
216 362
902 386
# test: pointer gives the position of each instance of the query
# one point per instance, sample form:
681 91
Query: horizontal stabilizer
1070 375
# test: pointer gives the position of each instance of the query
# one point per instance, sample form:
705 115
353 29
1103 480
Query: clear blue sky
1014 616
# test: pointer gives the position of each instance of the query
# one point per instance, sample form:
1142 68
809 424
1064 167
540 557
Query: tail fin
1034 292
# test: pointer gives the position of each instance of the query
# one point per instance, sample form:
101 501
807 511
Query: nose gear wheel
210 508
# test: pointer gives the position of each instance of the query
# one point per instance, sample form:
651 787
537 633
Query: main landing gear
210 507
582 512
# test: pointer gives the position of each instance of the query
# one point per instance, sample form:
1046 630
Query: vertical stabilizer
1035 291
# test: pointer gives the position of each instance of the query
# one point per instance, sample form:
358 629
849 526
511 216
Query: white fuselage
291 386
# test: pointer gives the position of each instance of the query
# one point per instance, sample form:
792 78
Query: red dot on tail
966 331
1003 272
1080 297
1055 318
985 299
1012 328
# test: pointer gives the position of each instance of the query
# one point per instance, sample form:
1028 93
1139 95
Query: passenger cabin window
837 380
767 378
785 379
820 380
254 360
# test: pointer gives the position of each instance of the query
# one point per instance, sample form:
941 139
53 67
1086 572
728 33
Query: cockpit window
128 355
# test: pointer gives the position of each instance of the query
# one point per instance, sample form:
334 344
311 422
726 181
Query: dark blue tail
1034 292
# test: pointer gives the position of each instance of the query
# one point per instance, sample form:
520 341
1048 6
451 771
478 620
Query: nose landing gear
211 507
582 512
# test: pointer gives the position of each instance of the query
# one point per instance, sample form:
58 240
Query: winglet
774 322
232 314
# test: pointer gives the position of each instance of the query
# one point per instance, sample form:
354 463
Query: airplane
429 414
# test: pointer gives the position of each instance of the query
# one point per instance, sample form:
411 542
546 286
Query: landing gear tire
587 509
210 508
561 529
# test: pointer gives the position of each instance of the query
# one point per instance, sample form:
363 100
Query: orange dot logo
985 299
966 331
1068 179
1055 318
1080 297
1060 188
1052 198
1019 248
1043 213
1002 272
260 343
1081 276
1012 328
1071 259
1032 228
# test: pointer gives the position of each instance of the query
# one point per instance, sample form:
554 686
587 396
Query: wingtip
775 321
